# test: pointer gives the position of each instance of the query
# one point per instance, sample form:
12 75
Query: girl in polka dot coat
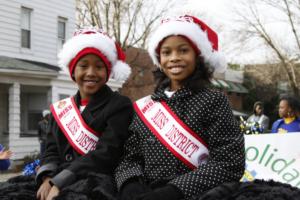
186 52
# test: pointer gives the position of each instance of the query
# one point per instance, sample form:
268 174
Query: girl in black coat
184 139
86 131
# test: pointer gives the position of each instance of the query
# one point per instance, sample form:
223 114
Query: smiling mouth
91 81
176 69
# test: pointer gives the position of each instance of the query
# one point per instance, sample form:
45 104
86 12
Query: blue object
294 126
4 164
29 169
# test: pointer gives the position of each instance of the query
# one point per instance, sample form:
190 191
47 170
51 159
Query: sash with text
172 132
82 138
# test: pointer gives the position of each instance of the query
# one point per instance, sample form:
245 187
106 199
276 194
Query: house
31 34
231 83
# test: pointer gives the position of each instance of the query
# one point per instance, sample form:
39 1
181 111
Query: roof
229 86
239 113
7 63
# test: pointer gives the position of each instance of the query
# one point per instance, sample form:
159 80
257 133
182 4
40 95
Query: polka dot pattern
207 113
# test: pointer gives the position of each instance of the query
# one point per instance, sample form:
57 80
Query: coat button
69 157
151 140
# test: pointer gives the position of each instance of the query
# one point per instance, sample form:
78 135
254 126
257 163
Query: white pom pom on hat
197 32
95 41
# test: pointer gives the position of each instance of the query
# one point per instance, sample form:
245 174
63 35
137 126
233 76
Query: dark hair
293 103
258 103
198 80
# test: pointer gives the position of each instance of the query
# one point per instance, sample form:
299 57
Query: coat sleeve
275 126
5 163
131 165
226 162
108 149
50 159
265 123
250 119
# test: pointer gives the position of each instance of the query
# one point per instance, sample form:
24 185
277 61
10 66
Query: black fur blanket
94 187
101 187
256 190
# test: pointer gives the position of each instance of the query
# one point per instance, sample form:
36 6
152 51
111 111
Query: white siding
21 146
43 28
24 146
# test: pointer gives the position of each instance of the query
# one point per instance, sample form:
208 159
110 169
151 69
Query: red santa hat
95 41
203 39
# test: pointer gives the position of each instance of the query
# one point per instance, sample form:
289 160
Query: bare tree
128 21
255 23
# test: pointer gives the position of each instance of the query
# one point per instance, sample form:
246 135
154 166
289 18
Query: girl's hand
44 189
53 193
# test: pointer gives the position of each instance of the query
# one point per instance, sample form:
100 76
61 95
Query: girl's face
90 75
284 109
177 60
258 110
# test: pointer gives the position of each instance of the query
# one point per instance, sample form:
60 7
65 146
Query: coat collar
98 100
178 95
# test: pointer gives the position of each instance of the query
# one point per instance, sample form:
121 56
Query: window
25 27
61 32
32 105
34 116
63 96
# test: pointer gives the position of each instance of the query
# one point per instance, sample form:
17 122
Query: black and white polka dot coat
207 113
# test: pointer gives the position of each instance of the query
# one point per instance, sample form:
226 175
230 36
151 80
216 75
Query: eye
184 50
164 52
83 65
100 65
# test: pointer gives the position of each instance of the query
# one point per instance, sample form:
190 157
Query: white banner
273 156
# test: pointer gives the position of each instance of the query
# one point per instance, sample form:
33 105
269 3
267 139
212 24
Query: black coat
209 115
107 112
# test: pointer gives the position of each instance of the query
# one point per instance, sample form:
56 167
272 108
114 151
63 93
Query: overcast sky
219 15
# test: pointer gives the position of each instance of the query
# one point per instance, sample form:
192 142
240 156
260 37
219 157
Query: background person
42 130
289 121
259 117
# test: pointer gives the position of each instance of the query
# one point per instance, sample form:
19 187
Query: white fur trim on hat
195 34
99 41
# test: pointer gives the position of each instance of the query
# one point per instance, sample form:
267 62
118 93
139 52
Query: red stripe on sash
65 132
174 152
